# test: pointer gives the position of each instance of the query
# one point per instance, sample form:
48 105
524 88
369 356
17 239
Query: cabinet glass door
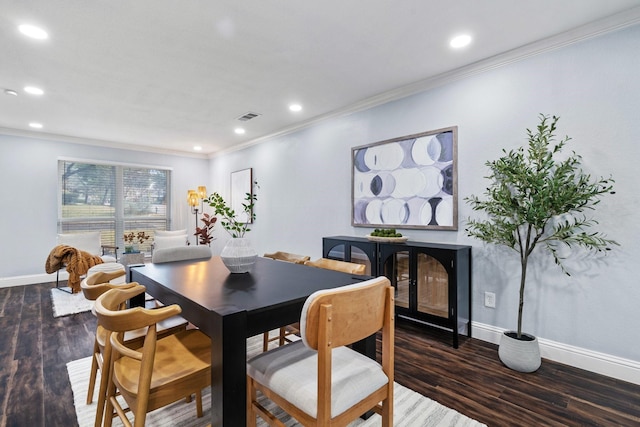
397 268
358 256
337 252
433 287
350 253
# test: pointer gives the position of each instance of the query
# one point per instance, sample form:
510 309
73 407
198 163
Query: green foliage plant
204 234
536 199
228 217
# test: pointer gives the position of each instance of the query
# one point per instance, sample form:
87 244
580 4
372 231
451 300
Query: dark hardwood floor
35 390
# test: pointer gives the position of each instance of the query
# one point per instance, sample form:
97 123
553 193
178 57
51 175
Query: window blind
113 199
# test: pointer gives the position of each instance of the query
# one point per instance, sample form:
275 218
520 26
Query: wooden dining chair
320 381
294 329
161 371
286 331
289 257
343 266
92 287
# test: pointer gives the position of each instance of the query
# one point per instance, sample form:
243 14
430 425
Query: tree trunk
523 277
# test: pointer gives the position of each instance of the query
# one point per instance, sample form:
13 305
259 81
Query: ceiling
166 75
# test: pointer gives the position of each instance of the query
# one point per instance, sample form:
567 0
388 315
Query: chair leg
109 409
387 413
103 396
58 284
265 341
251 397
93 374
199 412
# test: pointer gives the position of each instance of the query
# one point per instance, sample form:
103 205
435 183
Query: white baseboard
601 363
32 279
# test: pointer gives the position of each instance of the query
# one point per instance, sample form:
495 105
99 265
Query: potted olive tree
537 199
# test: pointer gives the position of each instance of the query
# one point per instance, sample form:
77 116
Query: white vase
522 355
238 255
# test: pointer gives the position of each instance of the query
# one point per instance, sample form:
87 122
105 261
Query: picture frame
409 182
241 184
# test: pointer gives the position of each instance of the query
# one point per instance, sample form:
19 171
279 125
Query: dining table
231 307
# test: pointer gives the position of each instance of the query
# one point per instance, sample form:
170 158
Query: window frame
119 220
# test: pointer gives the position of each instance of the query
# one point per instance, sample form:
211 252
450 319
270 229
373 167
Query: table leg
138 300
228 369
366 346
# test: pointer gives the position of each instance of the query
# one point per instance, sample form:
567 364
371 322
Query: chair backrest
357 310
114 319
98 283
180 253
170 232
89 242
343 266
170 241
289 257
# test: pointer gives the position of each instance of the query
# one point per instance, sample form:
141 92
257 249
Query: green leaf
228 215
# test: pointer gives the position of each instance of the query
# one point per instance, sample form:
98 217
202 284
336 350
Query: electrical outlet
490 299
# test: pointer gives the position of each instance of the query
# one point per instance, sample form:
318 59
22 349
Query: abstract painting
407 182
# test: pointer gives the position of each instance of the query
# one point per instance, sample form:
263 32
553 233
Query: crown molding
594 29
96 142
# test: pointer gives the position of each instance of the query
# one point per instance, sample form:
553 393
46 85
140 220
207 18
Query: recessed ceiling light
239 131
33 90
460 41
295 107
33 32
197 148
35 125
10 92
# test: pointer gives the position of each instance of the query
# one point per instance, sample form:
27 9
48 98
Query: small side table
132 258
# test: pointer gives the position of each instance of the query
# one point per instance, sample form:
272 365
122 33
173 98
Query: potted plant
204 234
535 199
130 237
237 254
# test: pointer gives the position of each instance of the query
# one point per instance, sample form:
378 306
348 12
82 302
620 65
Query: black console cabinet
432 280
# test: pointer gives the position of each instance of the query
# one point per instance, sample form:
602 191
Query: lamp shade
192 198
202 192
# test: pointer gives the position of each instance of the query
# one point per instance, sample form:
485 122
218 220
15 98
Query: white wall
29 191
593 86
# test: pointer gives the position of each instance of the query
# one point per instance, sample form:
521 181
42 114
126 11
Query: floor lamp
195 199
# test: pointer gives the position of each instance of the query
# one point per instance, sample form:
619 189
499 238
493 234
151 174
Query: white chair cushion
180 253
170 232
163 242
292 372
88 242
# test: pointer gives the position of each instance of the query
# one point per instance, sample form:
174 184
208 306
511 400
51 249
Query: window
114 199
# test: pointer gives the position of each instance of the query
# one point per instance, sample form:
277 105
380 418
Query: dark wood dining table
229 308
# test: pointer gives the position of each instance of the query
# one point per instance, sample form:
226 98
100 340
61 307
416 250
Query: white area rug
411 409
65 303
